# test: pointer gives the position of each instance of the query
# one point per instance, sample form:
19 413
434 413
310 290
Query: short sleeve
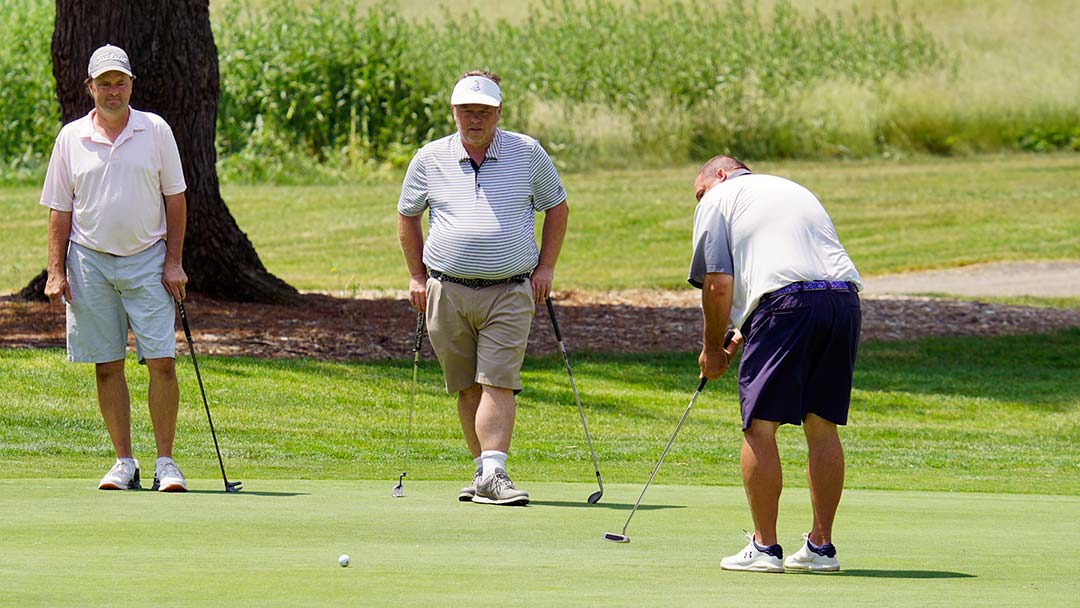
59 190
547 188
711 247
172 172
414 190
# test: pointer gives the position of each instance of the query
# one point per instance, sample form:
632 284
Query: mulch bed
342 329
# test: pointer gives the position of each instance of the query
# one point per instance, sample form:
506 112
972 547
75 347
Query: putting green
277 543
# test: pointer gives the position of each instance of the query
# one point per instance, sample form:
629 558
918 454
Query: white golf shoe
168 478
755 558
813 559
124 475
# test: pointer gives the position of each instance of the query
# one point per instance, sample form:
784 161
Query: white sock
130 461
479 460
493 460
161 461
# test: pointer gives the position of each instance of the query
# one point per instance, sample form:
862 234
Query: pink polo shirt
114 189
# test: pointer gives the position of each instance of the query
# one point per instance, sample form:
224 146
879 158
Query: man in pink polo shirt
115 190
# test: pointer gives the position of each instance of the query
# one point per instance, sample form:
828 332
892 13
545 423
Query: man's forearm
716 294
59 234
411 236
553 232
175 227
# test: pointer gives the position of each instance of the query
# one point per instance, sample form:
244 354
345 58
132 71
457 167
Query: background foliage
343 90
29 112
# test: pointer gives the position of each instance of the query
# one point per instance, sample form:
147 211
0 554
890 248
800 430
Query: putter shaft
230 487
399 489
595 497
623 538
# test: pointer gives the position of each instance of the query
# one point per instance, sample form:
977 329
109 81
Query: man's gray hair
727 163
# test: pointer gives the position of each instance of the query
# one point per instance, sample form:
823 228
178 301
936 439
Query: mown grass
955 414
892 217
277 543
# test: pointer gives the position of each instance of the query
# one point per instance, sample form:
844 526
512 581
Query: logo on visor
475 86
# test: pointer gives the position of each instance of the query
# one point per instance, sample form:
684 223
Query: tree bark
173 55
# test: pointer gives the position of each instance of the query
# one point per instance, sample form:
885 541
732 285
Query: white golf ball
343 560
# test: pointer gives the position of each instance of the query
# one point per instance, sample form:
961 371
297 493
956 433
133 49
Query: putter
595 496
399 489
230 486
623 538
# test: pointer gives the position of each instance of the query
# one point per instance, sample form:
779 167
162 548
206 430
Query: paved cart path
1041 279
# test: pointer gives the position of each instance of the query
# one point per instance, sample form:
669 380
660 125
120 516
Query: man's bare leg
762 478
164 400
825 473
115 405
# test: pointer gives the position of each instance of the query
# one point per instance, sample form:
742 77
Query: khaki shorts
110 292
480 335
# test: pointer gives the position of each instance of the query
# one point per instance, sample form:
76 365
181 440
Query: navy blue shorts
799 356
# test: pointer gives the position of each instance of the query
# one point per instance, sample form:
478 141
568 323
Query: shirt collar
737 173
492 151
136 122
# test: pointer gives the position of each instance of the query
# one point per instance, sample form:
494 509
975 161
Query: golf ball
343 560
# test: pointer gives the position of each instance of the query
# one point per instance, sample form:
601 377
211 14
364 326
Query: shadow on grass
915 574
602 505
250 493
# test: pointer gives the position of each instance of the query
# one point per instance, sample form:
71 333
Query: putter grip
419 332
728 337
183 320
554 321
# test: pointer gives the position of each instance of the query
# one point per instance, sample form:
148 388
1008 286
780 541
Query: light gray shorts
480 335
110 292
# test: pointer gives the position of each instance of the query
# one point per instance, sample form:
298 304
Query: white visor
476 89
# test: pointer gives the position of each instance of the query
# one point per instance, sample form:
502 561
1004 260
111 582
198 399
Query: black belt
478 283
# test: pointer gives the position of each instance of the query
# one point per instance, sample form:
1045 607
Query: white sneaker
813 559
122 476
168 478
469 492
755 558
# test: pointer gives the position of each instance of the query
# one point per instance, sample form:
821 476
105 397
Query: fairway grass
277 543
938 414
631 229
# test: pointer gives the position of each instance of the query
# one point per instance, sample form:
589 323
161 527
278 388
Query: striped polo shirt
480 224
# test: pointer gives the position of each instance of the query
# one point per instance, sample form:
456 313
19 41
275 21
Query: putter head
595 497
398 491
232 487
616 538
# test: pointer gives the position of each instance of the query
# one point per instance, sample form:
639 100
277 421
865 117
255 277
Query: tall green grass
695 61
29 113
324 90
337 90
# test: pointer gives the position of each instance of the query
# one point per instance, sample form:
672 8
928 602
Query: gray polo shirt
481 220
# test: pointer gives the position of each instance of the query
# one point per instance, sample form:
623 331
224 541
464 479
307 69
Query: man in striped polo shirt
480 275
769 262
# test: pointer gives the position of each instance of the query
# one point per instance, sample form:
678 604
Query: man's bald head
716 169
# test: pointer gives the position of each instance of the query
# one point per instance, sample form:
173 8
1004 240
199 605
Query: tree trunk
174 58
